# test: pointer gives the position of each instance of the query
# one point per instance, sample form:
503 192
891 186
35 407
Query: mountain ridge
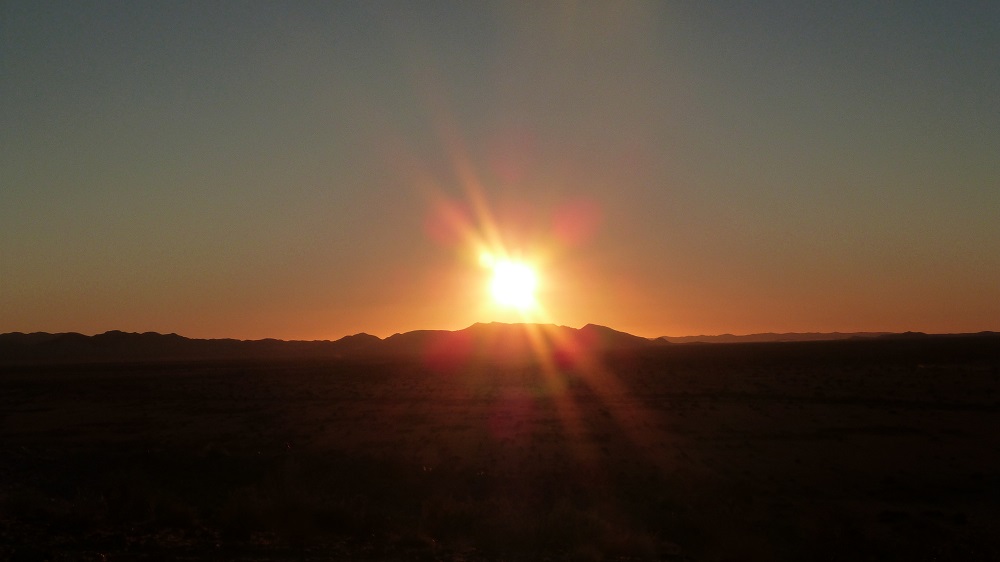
494 340
773 337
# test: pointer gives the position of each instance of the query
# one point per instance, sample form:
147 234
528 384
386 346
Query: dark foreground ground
727 453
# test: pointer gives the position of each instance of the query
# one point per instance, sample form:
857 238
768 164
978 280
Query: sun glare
513 284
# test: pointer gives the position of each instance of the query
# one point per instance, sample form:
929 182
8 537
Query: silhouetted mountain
606 338
20 338
128 346
358 343
493 341
903 336
509 342
773 337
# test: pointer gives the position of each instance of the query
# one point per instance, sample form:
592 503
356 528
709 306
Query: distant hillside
499 341
128 346
775 337
493 340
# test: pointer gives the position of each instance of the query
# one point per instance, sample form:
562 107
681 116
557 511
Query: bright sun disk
513 284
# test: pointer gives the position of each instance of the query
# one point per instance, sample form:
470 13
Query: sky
309 170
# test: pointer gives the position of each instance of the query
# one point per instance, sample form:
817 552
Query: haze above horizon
307 171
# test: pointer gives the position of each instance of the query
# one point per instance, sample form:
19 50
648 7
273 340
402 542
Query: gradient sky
257 170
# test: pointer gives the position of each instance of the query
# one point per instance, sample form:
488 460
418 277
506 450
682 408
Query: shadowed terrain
878 449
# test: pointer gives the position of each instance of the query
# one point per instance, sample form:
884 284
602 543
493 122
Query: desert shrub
243 513
31 504
81 512
86 510
506 526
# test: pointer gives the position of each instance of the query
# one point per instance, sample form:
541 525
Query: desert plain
877 450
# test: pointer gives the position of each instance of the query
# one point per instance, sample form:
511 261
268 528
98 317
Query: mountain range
494 340
481 340
775 337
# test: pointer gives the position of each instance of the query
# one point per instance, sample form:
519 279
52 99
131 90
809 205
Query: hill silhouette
492 341
774 337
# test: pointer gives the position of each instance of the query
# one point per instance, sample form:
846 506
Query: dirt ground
620 458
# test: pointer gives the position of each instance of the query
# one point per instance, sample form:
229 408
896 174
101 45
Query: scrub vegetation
719 452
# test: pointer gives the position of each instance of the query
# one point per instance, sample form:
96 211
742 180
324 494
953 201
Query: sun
513 284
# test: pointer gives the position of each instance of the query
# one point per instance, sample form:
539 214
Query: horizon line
689 336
